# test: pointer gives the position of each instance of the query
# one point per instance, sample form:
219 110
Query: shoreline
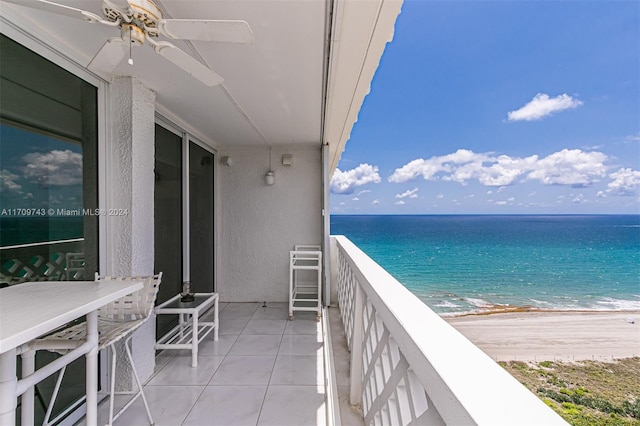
513 309
552 335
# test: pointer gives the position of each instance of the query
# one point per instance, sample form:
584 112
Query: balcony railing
409 367
47 261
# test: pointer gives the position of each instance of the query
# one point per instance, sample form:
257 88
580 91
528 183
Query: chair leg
135 374
112 388
140 391
56 389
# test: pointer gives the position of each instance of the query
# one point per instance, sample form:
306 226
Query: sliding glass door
168 218
201 265
184 217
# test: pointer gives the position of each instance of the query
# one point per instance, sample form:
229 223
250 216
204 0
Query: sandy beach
562 336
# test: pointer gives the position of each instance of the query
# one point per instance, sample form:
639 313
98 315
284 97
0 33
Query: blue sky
500 107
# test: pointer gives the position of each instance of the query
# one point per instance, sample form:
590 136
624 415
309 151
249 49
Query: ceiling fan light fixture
132 33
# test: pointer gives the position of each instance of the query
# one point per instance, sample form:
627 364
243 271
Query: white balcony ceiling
273 91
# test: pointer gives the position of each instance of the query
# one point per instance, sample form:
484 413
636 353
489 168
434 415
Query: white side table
190 331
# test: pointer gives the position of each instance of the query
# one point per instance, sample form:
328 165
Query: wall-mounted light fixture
270 177
287 160
227 161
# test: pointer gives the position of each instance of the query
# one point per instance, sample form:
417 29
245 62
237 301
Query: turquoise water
460 264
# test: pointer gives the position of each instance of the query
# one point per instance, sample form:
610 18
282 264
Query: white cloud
601 194
579 199
501 203
542 105
625 182
364 191
346 182
342 203
400 202
570 167
355 199
54 168
375 202
567 167
489 192
411 193
440 196
632 138
8 181
457 166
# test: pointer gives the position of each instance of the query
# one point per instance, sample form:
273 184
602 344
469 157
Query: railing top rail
44 243
465 384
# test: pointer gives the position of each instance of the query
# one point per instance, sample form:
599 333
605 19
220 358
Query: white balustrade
409 367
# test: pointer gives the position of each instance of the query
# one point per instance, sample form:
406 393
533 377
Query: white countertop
31 309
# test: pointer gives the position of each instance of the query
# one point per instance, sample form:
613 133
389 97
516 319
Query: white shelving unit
305 280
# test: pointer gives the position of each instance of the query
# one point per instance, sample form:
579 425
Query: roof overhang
361 30
301 83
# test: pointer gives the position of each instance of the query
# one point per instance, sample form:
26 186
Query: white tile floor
263 370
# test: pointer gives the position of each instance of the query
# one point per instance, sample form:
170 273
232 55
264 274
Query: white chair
116 321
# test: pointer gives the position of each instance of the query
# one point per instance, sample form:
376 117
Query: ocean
474 263
14 231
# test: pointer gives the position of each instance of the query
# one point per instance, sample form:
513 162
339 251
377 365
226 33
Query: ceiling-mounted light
270 177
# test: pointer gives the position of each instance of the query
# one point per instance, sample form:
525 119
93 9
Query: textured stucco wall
130 182
130 177
260 224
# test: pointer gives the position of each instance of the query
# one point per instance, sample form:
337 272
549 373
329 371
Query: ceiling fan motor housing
146 11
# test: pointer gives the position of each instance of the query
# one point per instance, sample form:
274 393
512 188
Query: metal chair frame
116 321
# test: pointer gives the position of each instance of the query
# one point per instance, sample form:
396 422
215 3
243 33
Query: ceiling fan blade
109 56
188 64
59 9
207 30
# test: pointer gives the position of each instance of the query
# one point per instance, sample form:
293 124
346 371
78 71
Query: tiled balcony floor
263 370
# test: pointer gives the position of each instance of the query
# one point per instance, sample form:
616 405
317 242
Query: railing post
355 382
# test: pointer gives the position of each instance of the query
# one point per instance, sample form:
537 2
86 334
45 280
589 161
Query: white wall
258 224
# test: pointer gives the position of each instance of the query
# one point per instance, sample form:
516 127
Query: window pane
48 186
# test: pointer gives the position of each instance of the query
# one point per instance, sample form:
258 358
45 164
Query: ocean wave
446 304
617 304
540 302
480 303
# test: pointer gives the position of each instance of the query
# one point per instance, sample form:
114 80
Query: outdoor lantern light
270 177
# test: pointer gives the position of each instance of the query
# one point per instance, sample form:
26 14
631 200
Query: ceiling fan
141 21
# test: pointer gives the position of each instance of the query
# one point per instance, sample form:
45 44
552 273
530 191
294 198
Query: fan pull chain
130 60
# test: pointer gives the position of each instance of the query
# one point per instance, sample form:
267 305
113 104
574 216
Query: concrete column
130 185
